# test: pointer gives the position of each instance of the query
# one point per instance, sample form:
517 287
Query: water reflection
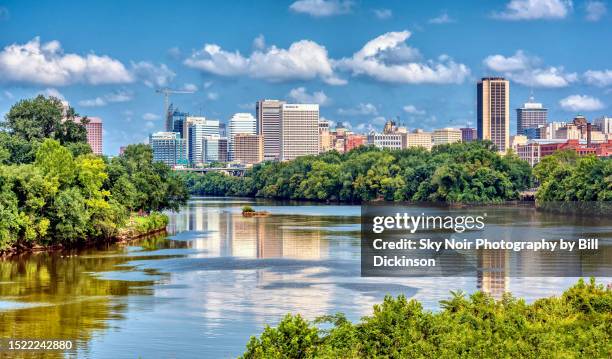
221 277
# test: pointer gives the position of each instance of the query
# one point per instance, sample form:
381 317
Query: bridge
232 171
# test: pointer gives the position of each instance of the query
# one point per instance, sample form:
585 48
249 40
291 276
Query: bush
247 209
576 324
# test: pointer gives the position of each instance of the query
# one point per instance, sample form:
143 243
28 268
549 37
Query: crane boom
166 92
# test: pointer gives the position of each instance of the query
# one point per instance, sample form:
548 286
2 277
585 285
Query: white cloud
523 69
575 103
360 110
535 9
259 43
213 96
379 120
300 95
411 109
247 106
51 92
190 87
208 84
599 78
9 95
175 52
387 58
442 19
595 10
383 13
364 127
117 96
150 116
47 64
152 75
94 102
303 60
322 8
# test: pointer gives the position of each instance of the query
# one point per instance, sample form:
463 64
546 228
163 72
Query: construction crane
167 91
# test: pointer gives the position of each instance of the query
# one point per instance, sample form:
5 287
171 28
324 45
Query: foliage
247 209
460 172
566 177
576 324
154 221
53 190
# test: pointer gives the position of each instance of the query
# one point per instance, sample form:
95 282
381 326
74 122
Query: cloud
51 92
116 96
575 103
303 60
301 96
190 87
388 58
360 110
442 19
383 13
47 64
213 96
94 102
175 52
595 10
8 95
152 75
411 109
322 8
524 69
208 84
599 78
535 9
150 116
259 43
247 106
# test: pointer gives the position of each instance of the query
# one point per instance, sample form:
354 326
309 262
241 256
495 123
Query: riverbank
136 227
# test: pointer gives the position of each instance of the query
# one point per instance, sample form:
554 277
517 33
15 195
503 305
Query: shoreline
119 239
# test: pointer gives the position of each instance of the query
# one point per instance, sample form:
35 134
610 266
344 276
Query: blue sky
363 61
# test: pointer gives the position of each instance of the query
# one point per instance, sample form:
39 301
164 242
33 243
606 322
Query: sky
363 61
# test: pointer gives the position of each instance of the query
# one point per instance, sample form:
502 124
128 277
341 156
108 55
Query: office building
419 138
268 114
169 148
197 128
240 123
175 120
94 132
517 140
299 131
353 141
493 111
214 149
468 134
248 148
393 141
325 136
531 115
604 124
445 136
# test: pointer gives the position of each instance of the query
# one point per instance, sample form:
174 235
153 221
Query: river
218 278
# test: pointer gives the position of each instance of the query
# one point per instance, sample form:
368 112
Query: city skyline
416 61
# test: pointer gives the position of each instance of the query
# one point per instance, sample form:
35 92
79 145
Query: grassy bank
138 226
576 324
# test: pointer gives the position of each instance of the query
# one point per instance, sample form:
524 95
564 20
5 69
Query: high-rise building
531 115
168 147
493 111
248 148
240 123
269 126
325 137
604 124
94 134
419 138
446 135
468 134
299 131
214 149
175 120
197 128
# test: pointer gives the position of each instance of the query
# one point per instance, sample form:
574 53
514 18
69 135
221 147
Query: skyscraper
493 111
468 134
531 115
175 120
248 148
299 131
240 123
168 147
269 126
197 128
94 134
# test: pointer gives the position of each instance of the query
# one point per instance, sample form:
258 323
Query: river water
219 278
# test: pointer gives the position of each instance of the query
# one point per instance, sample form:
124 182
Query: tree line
458 172
53 190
